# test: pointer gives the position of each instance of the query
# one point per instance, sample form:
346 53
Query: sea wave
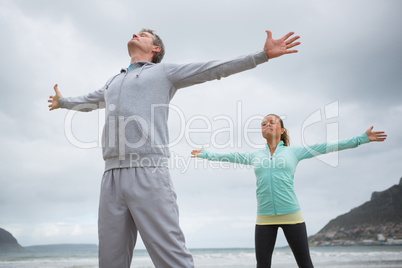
332 257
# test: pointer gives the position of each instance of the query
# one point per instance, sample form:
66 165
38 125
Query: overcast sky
346 77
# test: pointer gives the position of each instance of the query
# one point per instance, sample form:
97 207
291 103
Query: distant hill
378 221
8 242
63 247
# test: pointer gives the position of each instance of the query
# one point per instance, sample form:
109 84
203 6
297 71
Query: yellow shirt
280 219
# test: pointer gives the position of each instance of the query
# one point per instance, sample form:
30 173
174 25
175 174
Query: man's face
142 41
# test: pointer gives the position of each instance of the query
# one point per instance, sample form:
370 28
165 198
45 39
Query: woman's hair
284 137
157 42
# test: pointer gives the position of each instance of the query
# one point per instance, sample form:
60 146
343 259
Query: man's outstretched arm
184 75
276 48
86 103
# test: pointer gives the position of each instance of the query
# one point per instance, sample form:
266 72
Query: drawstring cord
142 68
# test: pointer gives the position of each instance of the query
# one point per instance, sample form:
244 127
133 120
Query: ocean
333 257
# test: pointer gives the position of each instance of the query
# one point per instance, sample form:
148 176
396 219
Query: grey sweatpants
143 200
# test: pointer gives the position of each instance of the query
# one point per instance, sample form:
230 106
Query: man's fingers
269 34
56 89
292 40
292 45
291 51
285 37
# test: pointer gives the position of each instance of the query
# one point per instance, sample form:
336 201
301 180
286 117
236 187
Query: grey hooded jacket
137 106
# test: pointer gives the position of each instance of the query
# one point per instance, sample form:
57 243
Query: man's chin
130 46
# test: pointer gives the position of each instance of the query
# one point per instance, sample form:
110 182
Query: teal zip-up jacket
275 174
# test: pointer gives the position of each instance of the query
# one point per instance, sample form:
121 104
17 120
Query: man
137 193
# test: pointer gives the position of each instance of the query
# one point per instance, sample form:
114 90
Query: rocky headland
376 222
8 242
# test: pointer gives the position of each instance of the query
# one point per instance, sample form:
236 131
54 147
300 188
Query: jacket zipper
118 120
272 185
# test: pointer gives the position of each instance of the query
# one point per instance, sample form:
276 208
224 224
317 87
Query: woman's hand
195 153
375 135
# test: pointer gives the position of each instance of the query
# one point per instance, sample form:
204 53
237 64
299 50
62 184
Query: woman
274 168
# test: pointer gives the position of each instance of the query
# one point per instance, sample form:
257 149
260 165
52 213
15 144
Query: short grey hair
157 58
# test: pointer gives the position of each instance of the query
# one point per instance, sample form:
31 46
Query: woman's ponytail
285 137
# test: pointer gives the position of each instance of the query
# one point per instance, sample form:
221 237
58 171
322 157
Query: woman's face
271 127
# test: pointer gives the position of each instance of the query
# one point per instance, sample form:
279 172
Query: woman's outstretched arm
241 158
309 151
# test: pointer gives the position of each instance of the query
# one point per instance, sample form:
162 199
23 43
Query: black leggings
296 235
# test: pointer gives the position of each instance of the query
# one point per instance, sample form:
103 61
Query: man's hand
276 48
375 135
54 100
